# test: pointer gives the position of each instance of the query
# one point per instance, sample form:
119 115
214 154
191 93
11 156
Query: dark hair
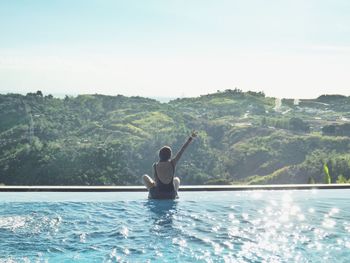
165 153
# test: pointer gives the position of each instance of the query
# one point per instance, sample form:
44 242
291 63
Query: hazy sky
296 48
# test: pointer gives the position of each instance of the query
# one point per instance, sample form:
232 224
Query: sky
163 48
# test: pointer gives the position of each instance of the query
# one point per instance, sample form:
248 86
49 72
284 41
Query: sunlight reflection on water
262 226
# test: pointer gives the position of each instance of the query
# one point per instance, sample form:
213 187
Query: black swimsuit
161 190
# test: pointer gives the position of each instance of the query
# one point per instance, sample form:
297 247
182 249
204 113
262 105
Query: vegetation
244 137
327 177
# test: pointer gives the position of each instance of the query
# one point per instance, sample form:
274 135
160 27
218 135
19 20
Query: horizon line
163 99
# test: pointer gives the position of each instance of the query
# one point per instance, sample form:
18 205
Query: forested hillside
244 137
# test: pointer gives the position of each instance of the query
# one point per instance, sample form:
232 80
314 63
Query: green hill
244 137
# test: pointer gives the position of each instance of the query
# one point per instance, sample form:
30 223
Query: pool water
252 226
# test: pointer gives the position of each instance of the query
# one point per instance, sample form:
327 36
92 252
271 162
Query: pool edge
185 188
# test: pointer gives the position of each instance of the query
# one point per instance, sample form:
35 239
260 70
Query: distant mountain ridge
244 137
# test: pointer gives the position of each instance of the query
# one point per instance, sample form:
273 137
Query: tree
342 179
327 177
311 180
297 124
328 130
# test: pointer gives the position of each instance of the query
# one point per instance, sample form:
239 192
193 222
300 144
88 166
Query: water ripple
259 227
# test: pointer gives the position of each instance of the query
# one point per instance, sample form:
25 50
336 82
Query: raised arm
183 148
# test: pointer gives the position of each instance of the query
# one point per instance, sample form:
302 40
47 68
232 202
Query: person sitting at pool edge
165 185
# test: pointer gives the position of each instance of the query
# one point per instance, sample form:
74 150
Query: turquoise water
253 226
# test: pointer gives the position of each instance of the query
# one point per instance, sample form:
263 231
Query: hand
194 134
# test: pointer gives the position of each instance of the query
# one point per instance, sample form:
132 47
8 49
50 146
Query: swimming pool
249 226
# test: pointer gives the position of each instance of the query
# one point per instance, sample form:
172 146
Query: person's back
165 171
164 181
165 185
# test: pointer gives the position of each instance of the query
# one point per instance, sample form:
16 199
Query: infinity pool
251 226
